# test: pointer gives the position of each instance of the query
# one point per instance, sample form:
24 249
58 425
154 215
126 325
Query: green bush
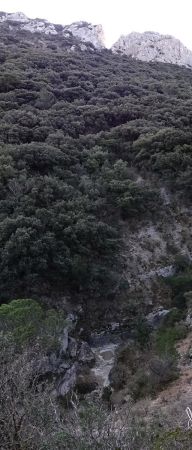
78 139
142 333
167 337
174 439
175 315
180 284
154 376
25 322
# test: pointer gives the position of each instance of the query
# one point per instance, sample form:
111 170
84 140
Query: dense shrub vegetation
25 323
87 139
76 128
31 418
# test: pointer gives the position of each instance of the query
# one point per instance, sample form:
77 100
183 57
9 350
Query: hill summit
147 46
151 46
82 30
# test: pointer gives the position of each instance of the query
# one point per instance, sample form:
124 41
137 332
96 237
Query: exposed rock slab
151 46
88 33
83 31
156 318
68 382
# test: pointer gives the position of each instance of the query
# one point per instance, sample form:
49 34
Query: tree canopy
77 128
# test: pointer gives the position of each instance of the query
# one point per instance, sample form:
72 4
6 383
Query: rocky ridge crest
155 47
84 31
147 46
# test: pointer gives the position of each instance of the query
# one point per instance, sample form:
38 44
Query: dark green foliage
182 263
175 316
167 338
181 283
76 131
24 322
148 364
142 333
141 372
176 439
149 380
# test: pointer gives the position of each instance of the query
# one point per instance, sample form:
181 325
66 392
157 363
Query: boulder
72 348
156 317
84 32
64 342
71 321
87 32
50 365
152 46
67 384
188 320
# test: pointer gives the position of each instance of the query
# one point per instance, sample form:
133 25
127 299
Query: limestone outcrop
83 31
151 46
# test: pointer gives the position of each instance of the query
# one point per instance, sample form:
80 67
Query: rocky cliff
87 32
84 31
150 46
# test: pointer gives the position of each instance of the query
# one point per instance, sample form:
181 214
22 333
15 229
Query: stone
14 17
83 47
115 326
72 348
151 46
148 46
63 367
64 342
87 32
67 384
84 32
71 321
105 357
188 320
37 26
51 365
86 355
156 317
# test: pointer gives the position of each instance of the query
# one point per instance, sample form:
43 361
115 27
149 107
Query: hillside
95 219
84 31
77 131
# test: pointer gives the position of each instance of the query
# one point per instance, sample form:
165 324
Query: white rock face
14 17
151 46
38 26
148 46
85 32
24 23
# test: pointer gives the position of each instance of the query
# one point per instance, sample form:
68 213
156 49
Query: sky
117 16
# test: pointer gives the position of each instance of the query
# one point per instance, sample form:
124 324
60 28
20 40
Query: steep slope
84 31
95 234
150 46
95 152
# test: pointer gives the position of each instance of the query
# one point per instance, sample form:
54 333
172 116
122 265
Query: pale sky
117 16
